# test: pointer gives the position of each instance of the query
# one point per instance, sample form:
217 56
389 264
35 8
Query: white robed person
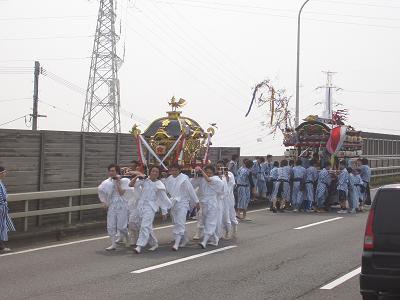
114 193
228 220
151 196
184 199
210 188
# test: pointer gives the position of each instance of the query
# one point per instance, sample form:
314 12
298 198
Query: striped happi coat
6 223
243 187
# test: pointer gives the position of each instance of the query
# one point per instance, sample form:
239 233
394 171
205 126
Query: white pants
141 221
209 216
220 222
230 208
228 215
178 214
117 221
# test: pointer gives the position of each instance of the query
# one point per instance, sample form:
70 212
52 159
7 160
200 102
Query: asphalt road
270 260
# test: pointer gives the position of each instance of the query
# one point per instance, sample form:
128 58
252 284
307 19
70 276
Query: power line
15 70
375 128
223 55
201 48
359 4
14 99
275 15
60 109
294 11
179 65
376 110
373 92
19 118
63 81
44 18
47 37
193 59
41 59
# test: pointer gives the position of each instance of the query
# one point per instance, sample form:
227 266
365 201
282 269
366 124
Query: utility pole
35 95
102 104
328 103
297 117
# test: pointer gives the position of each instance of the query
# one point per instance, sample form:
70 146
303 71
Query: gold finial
177 104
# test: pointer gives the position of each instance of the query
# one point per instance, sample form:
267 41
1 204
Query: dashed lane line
318 223
341 280
177 261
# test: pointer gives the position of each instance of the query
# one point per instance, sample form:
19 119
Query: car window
387 212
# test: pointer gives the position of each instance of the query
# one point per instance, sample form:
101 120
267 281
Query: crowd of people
217 195
132 203
308 184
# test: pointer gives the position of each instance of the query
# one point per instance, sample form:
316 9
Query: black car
380 270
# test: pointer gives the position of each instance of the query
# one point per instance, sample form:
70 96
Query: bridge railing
69 194
380 172
385 171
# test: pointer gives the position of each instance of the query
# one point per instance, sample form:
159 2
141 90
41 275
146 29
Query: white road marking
76 242
317 223
256 210
341 280
177 261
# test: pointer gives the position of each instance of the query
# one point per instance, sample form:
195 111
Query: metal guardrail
26 197
385 171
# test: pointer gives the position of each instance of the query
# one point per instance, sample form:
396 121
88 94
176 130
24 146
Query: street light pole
297 118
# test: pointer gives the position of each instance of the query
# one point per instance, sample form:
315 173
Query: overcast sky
210 53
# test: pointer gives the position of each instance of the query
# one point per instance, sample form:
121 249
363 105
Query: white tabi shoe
5 250
196 237
213 243
126 240
111 248
203 245
177 241
184 242
153 248
234 231
138 249
228 235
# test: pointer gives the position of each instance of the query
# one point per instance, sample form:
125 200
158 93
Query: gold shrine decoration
177 104
211 131
173 138
135 130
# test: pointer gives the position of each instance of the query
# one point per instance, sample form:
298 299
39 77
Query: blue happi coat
243 187
6 224
299 174
343 181
324 181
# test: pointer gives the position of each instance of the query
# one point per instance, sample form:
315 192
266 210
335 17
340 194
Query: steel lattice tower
101 111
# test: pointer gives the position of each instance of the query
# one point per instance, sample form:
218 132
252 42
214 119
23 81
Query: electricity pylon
102 103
